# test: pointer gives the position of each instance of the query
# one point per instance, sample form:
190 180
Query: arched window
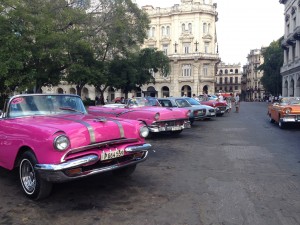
72 91
236 71
186 90
208 28
60 90
165 91
85 93
183 27
226 71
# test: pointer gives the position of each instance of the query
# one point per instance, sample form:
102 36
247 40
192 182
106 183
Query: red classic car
51 138
148 111
220 106
286 111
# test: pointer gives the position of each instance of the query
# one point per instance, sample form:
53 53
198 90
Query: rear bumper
88 165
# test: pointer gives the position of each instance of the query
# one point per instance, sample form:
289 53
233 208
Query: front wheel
281 124
271 120
33 186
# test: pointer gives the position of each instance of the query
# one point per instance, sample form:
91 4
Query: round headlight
61 142
144 131
156 117
288 111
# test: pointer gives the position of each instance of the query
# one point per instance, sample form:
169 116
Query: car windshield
193 101
290 101
140 102
181 103
27 105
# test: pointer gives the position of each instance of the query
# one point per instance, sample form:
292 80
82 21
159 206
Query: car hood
81 129
203 106
139 113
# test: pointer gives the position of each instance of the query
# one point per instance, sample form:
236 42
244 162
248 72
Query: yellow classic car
284 112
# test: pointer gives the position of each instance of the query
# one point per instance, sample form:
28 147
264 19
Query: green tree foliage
136 70
273 61
35 41
43 42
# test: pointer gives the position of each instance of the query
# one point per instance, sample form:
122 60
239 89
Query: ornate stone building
254 88
186 33
290 71
228 78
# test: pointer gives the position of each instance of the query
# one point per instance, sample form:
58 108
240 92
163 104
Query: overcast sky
242 25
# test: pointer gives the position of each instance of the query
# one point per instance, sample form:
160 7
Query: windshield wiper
71 109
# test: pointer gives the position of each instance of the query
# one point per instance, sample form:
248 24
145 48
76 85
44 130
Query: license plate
222 111
212 114
112 154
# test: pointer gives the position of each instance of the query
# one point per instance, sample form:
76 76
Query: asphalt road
238 169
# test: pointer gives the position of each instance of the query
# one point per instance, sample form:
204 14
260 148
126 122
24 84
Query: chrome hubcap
27 176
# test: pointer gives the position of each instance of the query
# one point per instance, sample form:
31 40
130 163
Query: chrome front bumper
291 119
156 128
57 172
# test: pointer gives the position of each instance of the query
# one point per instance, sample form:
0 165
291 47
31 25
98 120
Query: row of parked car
52 138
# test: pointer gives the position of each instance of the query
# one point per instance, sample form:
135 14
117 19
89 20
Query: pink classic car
148 111
51 138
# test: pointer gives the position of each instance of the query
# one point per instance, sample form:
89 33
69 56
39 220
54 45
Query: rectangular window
165 49
186 48
186 70
206 47
294 53
205 69
236 80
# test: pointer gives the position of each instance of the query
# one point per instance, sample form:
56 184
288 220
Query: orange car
284 112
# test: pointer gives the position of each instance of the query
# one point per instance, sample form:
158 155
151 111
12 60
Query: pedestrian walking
229 101
237 102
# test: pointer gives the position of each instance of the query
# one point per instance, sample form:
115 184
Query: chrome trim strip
138 148
121 129
87 125
83 161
